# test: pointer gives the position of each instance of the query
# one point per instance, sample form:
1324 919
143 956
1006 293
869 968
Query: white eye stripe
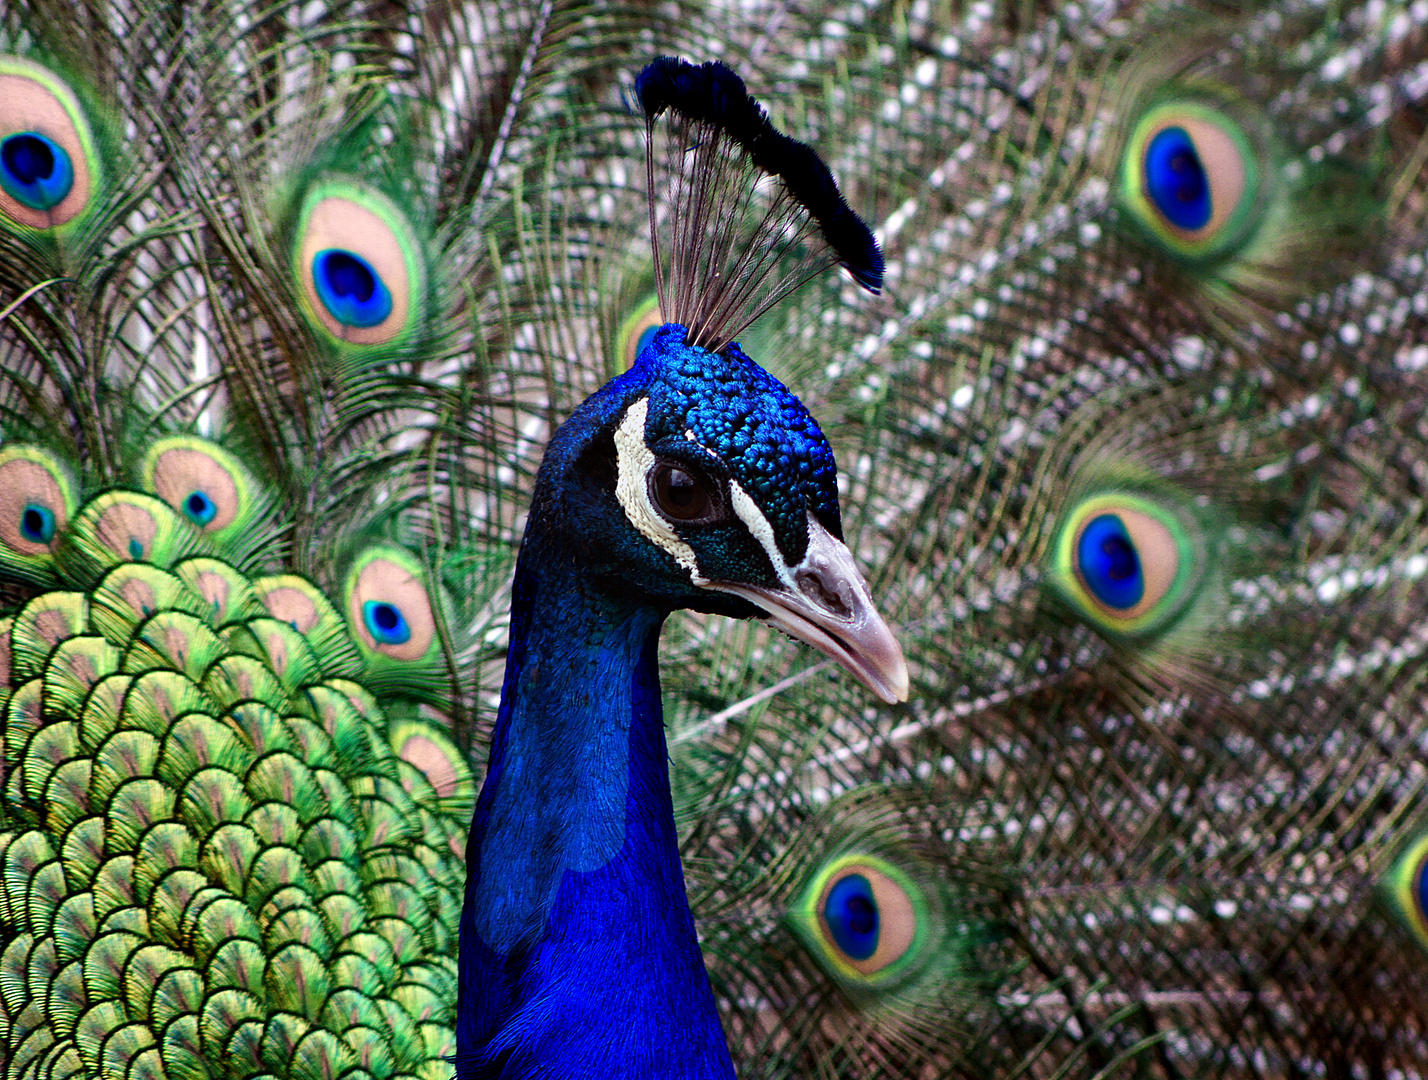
759 527
633 460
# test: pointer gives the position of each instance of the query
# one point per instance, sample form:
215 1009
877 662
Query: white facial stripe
760 529
634 461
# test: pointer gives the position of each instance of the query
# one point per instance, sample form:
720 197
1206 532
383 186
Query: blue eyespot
386 623
1109 564
199 508
37 523
1175 179
35 170
851 912
646 336
350 288
1419 887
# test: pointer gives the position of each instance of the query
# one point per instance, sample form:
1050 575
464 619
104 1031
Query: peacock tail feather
1132 454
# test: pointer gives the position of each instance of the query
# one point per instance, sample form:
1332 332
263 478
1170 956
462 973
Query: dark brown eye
679 495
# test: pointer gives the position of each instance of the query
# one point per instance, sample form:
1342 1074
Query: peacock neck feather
576 914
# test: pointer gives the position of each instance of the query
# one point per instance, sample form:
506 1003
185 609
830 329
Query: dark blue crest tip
848 233
711 93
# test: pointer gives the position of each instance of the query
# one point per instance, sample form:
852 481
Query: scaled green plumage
215 861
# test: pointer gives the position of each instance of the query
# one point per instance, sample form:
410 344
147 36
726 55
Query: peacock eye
1128 563
204 483
386 623
359 266
36 171
1405 888
50 171
199 508
679 495
865 920
37 524
1191 179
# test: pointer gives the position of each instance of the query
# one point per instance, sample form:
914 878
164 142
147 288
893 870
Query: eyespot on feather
358 264
1191 178
49 165
388 607
1126 562
37 499
1405 889
210 488
638 330
864 920
202 482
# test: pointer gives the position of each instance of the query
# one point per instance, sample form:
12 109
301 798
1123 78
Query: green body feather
243 865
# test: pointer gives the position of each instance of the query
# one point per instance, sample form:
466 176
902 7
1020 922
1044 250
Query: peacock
693 480
1130 450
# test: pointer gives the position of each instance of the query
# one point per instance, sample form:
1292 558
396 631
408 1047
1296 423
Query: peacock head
698 480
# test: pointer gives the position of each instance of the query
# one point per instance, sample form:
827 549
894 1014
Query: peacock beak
824 602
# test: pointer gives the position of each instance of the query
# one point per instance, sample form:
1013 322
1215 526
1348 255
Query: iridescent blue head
722 413
698 480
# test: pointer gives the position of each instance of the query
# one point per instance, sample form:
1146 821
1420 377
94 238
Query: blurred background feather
1138 472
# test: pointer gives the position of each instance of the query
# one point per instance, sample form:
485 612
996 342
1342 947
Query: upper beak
828 607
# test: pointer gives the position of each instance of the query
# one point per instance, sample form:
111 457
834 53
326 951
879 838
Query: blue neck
578 952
